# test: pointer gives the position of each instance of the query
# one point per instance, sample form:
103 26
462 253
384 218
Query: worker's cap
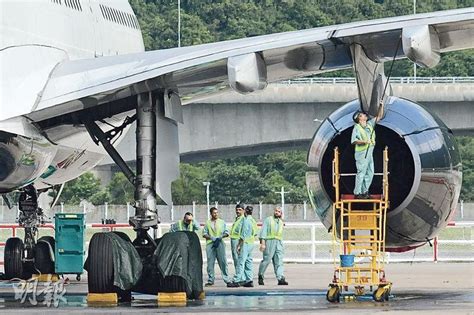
240 205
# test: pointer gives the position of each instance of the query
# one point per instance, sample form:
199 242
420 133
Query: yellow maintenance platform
358 236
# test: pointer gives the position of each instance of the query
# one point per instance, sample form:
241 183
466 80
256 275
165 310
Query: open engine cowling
424 165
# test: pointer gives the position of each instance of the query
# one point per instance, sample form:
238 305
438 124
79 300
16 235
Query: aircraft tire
48 239
101 270
123 235
13 255
43 261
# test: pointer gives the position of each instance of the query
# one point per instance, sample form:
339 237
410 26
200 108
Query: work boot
260 280
361 196
248 284
282 281
209 284
366 195
233 285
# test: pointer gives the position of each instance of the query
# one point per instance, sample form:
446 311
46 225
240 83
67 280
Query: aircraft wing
249 64
105 86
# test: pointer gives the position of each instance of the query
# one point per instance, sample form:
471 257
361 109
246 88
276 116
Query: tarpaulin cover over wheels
127 265
178 255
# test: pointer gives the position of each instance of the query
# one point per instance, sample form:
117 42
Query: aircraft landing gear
100 261
23 258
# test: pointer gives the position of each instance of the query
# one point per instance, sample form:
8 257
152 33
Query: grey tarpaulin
179 254
127 264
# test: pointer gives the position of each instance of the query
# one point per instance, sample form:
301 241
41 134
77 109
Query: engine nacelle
424 165
23 158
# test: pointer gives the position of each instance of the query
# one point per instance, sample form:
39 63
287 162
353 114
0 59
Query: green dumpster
70 249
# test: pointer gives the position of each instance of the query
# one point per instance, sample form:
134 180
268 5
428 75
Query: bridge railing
394 80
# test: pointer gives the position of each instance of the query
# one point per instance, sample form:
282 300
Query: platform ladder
358 238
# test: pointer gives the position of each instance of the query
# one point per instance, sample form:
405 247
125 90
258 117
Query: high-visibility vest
234 233
251 239
217 232
365 137
274 233
182 228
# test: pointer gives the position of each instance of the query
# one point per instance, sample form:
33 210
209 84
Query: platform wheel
13 258
382 293
334 294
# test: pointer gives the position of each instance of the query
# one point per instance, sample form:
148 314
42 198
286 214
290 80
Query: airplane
75 76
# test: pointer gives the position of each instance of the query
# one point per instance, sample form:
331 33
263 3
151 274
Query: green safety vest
217 232
234 234
274 234
251 239
181 226
365 137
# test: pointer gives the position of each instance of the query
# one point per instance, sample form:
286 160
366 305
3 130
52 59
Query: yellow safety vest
365 137
217 232
251 239
234 234
181 226
274 233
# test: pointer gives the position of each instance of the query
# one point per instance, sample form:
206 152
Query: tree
120 189
188 187
82 188
237 183
466 148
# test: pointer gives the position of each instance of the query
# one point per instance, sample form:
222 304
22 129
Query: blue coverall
244 269
216 230
273 247
364 160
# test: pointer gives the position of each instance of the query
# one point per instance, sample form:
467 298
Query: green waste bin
69 249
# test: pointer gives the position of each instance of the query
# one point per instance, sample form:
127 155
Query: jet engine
23 159
424 165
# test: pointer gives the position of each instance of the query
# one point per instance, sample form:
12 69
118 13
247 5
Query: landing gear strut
101 280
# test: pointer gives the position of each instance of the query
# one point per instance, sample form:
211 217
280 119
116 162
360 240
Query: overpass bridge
281 117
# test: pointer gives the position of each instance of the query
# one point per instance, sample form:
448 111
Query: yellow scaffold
358 236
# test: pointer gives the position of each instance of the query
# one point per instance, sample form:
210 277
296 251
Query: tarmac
421 288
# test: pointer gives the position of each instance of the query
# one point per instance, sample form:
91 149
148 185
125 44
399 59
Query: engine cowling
424 165
23 158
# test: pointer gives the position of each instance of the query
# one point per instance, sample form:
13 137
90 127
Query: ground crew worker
214 232
187 224
363 137
271 245
235 233
244 271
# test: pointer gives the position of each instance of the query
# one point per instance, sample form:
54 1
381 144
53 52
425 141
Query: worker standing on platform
271 244
235 233
187 224
244 270
214 232
363 137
